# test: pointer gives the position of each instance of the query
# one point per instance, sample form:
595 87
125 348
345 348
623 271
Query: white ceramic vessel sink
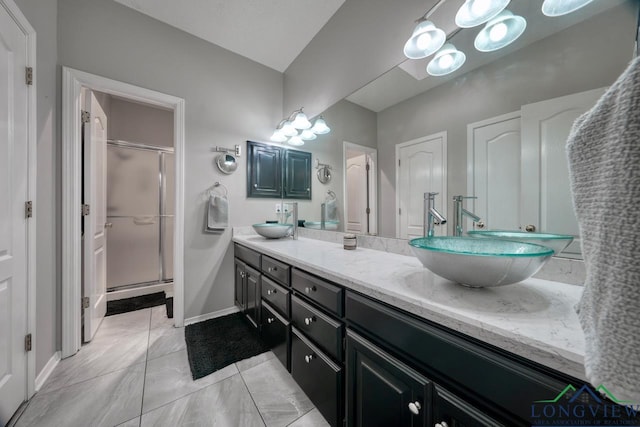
272 231
480 263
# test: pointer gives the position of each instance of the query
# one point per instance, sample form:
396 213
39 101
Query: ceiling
272 32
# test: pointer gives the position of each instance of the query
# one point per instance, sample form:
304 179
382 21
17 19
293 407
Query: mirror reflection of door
421 166
360 189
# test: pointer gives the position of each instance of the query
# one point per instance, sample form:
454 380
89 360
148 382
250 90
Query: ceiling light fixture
446 61
562 7
476 12
425 40
500 31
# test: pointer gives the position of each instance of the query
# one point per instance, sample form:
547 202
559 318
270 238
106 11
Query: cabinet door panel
239 284
276 333
457 413
297 182
264 170
252 306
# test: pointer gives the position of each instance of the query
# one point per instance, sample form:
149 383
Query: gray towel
217 213
331 210
604 162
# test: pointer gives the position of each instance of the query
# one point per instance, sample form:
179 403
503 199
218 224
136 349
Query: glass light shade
300 120
446 61
320 126
288 129
308 135
296 141
476 12
562 7
278 136
499 32
425 40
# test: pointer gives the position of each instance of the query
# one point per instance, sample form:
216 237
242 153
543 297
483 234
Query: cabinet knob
308 358
272 269
255 185
441 424
415 407
271 291
270 320
308 289
309 320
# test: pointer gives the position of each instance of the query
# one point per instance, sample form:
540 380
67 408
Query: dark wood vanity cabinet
247 281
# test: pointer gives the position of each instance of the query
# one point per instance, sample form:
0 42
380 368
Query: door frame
72 82
373 185
443 135
32 166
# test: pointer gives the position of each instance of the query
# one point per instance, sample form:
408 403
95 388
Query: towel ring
213 190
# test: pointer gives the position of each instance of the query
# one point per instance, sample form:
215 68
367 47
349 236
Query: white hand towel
331 210
604 161
217 213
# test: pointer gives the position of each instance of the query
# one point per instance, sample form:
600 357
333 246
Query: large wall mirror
495 129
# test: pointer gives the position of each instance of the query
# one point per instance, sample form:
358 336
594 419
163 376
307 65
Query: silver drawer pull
272 269
308 289
271 320
415 407
309 320
271 291
308 358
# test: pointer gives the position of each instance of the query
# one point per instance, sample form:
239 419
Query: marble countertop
534 319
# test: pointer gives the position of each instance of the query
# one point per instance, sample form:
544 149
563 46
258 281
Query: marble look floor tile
226 403
131 423
312 418
279 399
159 318
163 341
101 356
129 323
249 363
169 378
104 401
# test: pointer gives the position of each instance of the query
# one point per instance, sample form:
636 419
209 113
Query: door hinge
28 76
85 302
368 167
86 209
27 342
28 209
368 211
85 116
399 211
398 162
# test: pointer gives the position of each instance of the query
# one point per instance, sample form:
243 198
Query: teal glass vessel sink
273 230
557 242
480 263
317 225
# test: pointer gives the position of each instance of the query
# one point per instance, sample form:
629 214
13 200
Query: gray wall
42 16
571 61
143 124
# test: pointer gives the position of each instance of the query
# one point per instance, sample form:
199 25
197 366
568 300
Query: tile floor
135 373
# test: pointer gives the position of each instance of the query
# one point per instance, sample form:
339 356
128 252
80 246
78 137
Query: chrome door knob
309 320
308 358
415 407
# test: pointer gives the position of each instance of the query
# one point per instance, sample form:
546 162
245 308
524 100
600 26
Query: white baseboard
47 370
212 315
142 290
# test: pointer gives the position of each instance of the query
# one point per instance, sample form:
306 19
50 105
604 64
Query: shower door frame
72 83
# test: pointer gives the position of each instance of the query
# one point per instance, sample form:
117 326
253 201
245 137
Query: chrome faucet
294 209
323 215
431 215
459 212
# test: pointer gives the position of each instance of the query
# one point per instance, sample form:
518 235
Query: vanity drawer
322 329
276 333
276 295
276 270
324 293
318 376
249 256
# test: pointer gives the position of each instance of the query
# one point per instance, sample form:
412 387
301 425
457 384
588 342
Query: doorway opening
360 188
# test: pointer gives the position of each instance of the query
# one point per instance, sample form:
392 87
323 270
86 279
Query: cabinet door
381 390
264 170
239 284
297 175
451 411
252 307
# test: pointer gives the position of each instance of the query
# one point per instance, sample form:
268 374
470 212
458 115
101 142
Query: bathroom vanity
373 338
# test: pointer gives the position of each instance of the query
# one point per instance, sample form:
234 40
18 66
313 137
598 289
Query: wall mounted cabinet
277 172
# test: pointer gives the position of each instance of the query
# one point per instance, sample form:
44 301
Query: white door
421 167
545 128
95 195
356 200
13 225
495 171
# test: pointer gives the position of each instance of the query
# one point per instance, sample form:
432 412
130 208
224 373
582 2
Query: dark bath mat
135 303
216 343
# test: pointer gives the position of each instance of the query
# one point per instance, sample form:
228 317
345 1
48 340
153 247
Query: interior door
95 195
545 129
13 225
356 200
421 167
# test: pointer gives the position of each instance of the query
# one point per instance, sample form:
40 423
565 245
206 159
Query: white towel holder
213 190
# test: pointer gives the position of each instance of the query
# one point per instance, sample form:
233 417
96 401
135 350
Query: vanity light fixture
500 31
295 141
307 135
562 7
287 129
476 12
300 120
425 40
320 126
446 61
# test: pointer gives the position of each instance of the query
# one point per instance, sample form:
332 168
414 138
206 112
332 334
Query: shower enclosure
140 220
